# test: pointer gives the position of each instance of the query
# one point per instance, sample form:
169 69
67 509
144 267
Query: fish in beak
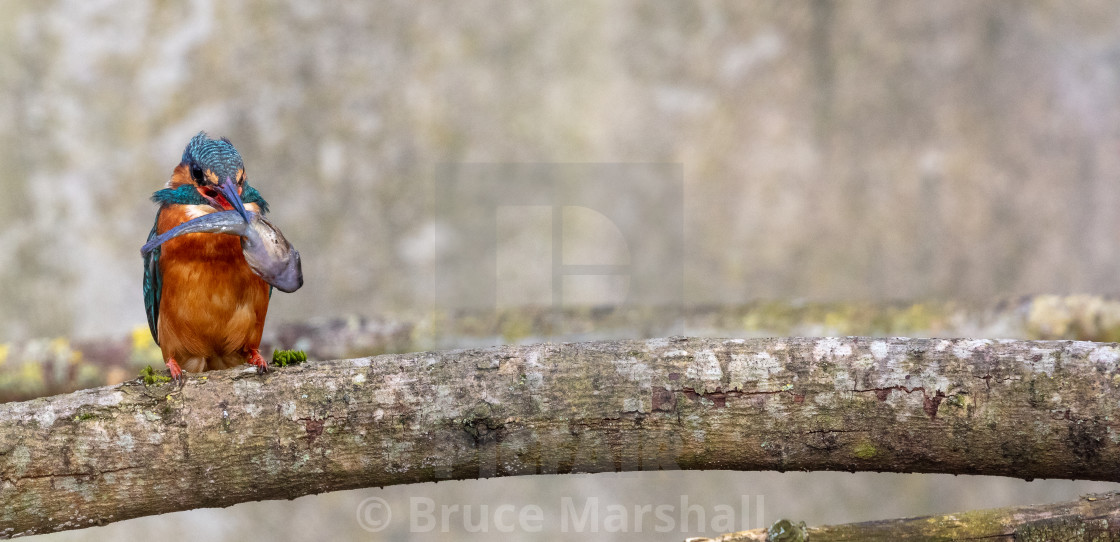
267 252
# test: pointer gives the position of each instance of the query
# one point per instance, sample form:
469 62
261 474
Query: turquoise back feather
153 285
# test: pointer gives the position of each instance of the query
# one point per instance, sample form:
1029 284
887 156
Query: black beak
229 190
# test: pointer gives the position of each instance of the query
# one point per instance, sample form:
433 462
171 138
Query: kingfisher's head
215 169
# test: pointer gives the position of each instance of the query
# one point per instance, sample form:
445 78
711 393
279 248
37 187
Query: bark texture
1014 408
1092 518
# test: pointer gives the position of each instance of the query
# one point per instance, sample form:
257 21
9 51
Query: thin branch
1093 517
1012 408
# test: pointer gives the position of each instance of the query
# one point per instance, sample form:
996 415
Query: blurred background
831 153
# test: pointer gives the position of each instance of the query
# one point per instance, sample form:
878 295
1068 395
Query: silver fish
266 250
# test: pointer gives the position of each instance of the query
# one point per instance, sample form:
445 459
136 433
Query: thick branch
1013 408
1093 517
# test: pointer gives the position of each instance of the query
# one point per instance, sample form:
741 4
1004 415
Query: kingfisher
205 305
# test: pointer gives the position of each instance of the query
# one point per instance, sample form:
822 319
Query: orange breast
212 307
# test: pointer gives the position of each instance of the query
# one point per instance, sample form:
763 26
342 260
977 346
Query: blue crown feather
217 155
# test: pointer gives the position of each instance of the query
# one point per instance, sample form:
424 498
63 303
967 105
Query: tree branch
1093 517
1013 408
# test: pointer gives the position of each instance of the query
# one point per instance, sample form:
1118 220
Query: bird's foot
256 360
176 371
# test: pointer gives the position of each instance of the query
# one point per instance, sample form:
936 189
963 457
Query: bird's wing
153 285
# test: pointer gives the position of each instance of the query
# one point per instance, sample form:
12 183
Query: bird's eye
196 175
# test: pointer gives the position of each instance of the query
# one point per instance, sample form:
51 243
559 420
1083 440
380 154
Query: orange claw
255 359
176 371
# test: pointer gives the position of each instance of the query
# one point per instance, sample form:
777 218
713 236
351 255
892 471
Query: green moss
958 400
149 376
83 417
284 358
865 450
